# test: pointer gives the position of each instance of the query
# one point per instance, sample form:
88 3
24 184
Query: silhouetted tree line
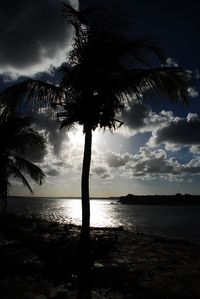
177 199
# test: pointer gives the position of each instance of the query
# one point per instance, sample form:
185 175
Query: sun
77 137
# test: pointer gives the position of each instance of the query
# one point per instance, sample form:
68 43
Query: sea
175 222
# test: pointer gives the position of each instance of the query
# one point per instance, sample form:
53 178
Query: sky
158 149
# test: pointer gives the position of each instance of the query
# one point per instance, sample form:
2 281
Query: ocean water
182 222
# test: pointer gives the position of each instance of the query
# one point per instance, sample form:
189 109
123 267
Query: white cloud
117 160
193 92
140 119
195 149
150 164
171 62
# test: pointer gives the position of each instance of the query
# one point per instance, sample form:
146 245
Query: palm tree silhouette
105 72
17 137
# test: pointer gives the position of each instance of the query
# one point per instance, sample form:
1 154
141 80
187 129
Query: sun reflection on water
101 215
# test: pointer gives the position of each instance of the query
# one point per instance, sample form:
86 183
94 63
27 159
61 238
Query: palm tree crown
106 70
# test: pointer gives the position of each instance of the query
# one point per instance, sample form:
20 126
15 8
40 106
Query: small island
177 199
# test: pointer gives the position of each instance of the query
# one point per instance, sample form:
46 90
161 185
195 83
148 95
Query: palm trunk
84 291
4 202
85 184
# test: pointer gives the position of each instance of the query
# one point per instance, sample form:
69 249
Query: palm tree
17 137
105 72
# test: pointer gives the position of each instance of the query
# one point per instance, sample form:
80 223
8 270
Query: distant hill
177 199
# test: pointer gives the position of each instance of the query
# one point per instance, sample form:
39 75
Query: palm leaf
19 175
17 136
33 94
13 170
170 82
31 169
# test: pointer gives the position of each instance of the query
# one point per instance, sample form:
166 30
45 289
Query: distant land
62 197
177 199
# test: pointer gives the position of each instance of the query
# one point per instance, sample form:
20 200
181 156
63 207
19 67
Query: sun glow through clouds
77 137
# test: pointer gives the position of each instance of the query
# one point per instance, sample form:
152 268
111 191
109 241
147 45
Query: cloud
33 35
195 149
117 160
193 92
52 172
179 132
50 128
135 116
150 164
101 172
193 166
140 119
171 62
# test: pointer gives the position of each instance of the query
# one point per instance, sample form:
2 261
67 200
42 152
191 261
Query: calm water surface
168 221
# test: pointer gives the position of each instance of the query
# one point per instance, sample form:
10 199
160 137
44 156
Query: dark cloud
52 172
154 166
30 32
101 172
51 129
182 131
134 118
117 160
140 118
59 163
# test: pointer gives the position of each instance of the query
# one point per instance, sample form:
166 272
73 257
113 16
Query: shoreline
39 258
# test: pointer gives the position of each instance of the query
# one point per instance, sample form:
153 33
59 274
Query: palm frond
13 170
17 174
17 135
140 51
29 139
167 81
33 94
31 169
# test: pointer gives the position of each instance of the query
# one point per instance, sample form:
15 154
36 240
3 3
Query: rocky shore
40 260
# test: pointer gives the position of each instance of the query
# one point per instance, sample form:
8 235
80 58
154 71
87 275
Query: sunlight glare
101 216
77 137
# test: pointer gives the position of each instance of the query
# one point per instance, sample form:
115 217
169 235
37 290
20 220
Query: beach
40 259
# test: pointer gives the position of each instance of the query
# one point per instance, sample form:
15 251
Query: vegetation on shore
177 199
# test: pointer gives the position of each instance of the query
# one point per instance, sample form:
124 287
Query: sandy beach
40 260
